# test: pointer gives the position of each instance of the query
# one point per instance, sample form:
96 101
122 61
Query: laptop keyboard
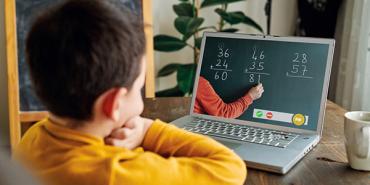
240 132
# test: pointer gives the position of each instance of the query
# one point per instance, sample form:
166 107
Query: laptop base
263 157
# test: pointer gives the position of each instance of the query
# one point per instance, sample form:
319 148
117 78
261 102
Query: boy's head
85 54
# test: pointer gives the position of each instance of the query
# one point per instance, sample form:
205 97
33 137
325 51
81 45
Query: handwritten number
254 54
295 69
253 66
262 56
224 75
225 64
260 66
251 78
220 52
296 57
304 69
218 63
304 58
226 54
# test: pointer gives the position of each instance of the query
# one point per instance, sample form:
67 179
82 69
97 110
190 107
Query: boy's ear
112 104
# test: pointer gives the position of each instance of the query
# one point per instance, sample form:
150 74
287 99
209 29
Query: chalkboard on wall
294 75
23 105
26 11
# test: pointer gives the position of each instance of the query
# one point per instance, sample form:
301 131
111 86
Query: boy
87 63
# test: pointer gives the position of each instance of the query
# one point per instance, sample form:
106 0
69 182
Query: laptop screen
293 72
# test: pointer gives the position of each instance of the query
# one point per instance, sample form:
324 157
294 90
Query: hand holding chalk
256 91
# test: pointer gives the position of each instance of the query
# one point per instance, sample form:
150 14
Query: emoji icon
269 115
259 114
298 119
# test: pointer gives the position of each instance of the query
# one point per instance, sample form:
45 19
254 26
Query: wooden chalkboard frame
16 117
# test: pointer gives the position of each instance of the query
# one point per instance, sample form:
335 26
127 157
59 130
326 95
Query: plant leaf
198 42
168 43
230 30
187 25
185 77
206 3
231 17
171 92
238 17
248 21
168 69
183 9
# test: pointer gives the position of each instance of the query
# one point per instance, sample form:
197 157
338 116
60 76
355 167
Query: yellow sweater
168 155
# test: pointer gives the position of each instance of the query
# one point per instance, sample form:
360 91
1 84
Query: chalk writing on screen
221 68
299 66
255 68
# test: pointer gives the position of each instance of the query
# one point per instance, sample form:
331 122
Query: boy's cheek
133 108
139 103
141 107
138 106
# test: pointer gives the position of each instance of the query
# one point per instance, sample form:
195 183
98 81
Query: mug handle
364 141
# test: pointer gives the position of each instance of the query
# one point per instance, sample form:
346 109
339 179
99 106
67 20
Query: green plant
189 24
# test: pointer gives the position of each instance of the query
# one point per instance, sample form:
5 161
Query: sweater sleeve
213 105
174 156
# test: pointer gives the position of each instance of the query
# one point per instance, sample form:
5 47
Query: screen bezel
320 123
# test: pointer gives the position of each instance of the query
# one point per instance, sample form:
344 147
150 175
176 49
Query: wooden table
325 164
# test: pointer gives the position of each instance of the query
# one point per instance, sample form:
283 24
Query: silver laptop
274 132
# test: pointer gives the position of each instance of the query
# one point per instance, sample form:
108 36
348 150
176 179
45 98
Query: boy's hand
256 91
131 135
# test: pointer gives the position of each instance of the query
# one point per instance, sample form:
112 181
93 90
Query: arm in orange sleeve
213 105
184 158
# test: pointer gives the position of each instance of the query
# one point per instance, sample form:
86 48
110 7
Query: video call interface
291 73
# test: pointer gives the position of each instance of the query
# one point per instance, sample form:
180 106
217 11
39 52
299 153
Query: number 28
303 60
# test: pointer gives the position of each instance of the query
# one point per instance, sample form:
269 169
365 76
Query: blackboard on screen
292 73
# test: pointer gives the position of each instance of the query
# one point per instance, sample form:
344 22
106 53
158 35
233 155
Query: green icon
259 114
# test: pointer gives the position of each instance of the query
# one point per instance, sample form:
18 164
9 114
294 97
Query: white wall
284 14
365 95
353 79
284 17
4 118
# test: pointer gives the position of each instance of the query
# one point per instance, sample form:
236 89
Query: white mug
357 139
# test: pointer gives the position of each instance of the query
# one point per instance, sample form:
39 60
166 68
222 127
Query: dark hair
80 49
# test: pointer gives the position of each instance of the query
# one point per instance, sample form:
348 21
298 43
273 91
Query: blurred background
344 20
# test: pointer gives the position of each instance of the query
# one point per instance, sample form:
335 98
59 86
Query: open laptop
281 127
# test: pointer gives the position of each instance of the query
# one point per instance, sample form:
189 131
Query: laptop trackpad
230 145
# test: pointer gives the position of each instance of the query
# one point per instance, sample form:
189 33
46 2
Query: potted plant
190 24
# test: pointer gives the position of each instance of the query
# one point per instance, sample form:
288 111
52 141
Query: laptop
277 130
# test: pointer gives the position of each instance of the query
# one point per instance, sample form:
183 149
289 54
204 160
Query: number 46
261 57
